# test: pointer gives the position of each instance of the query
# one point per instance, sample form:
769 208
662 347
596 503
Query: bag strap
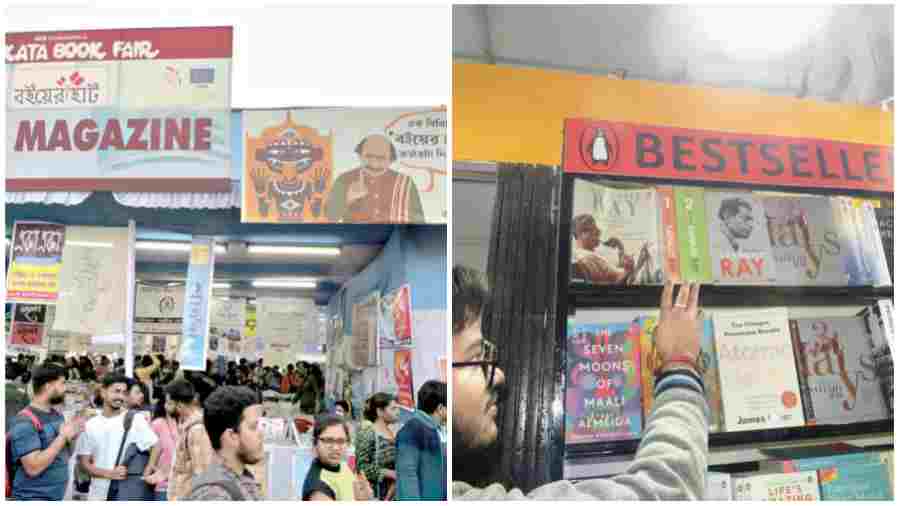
231 487
129 418
27 413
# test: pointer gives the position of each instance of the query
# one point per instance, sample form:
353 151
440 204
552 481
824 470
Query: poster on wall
36 259
227 322
362 165
159 344
365 322
159 309
101 109
195 329
403 377
93 281
28 325
248 346
280 322
395 319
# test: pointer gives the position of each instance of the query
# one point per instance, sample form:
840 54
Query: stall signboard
361 165
93 281
195 326
158 309
403 376
395 319
28 326
281 323
227 323
120 109
36 260
624 149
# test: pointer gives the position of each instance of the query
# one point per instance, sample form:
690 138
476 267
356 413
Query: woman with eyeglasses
375 445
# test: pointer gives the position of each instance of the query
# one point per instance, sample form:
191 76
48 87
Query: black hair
181 391
730 207
224 410
104 360
147 361
344 404
113 378
359 147
144 390
290 367
431 395
324 422
470 297
159 409
48 372
378 401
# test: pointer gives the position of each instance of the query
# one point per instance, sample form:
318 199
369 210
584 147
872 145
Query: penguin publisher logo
599 146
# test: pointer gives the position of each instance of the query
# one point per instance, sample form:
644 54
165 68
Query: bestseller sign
625 149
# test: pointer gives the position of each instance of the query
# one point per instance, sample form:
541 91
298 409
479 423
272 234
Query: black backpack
133 487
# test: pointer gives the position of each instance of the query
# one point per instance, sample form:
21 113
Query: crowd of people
168 434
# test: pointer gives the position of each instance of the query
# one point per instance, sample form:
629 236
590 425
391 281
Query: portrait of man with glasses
672 458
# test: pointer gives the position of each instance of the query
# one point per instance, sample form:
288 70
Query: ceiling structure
837 53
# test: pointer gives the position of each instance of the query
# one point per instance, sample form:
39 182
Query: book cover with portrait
739 246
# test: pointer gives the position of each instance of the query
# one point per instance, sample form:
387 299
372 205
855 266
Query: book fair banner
36 260
373 165
111 109
227 324
159 309
93 281
395 319
625 149
281 326
28 326
195 329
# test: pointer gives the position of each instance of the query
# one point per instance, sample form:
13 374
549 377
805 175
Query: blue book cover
816 463
855 482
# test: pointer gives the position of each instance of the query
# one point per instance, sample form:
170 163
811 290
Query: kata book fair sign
105 109
373 165
36 254
624 149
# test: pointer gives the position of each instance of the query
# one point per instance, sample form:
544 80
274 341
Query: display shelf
582 467
585 295
788 435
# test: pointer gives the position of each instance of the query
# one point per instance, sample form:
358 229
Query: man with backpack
231 416
193 451
38 444
115 445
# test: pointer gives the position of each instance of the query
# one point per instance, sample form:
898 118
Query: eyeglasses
334 443
488 362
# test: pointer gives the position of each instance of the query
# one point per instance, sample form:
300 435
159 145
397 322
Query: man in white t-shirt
98 447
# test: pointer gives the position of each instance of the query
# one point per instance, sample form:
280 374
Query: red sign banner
624 149
403 377
125 44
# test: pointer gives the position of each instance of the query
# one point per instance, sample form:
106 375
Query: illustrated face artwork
289 156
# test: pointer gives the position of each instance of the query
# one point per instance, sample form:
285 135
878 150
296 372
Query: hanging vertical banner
395 319
195 330
28 325
227 324
281 325
116 109
248 347
36 259
93 281
365 165
365 332
403 377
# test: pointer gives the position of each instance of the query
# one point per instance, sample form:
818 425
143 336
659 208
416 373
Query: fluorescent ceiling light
328 251
284 283
173 246
221 285
89 244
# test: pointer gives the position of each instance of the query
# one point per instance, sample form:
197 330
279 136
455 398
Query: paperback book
757 370
836 371
603 384
615 237
802 486
739 247
845 221
693 242
884 214
807 245
870 239
861 482
668 221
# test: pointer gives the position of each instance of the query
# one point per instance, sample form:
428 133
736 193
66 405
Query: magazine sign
631 150
113 110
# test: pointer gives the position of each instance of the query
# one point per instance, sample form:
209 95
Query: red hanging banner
624 149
